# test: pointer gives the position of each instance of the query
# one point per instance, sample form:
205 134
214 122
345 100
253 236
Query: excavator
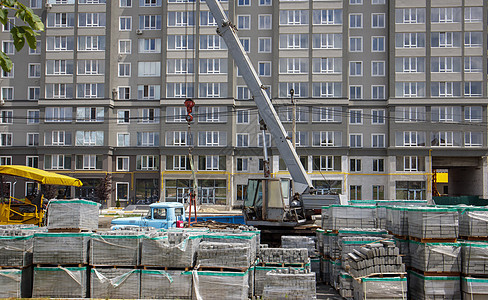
31 209
269 202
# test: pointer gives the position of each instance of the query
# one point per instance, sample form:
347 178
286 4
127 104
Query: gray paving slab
325 291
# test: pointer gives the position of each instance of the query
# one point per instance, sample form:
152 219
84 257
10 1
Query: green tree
20 33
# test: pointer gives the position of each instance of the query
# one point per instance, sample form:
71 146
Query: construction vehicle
31 209
269 202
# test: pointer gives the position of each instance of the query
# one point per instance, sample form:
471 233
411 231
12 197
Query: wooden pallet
482 276
401 237
434 273
112 267
222 269
474 238
382 275
70 230
186 269
283 265
60 266
430 240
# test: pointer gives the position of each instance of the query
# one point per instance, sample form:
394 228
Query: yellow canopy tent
41 176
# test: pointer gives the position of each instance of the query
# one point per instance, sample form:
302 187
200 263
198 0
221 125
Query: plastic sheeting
16 248
473 221
378 258
434 287
474 258
236 236
299 242
120 283
59 282
349 243
435 257
351 216
289 284
170 284
115 248
170 249
283 256
79 214
474 286
11 283
433 223
380 288
223 285
397 220
404 247
224 255
345 285
61 248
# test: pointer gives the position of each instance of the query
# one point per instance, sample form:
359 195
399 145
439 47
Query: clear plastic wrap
69 214
224 255
351 216
308 242
474 258
289 284
435 257
434 287
61 248
433 223
115 248
345 285
59 282
120 283
170 284
11 283
223 285
380 288
474 287
286 256
473 221
397 220
236 236
16 248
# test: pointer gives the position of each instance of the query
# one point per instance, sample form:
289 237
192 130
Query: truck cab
160 215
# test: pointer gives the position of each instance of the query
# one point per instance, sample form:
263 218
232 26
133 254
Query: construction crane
268 202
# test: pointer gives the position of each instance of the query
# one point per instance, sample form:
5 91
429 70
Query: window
355 140
267 138
92 1
207 19
473 39
355 190
264 22
327 41
10 74
355 20
149 3
410 163
91 43
178 138
411 40
264 68
212 138
59 67
242 140
125 46
410 190
355 92
123 139
179 90
356 2
410 114
327 65
32 161
147 139
446 89
57 138
378 92
60 20
377 140
58 114
473 89
60 43
7 93
410 16
148 92
377 68
35 4
4 161
241 190
89 138
243 22
125 3
32 139
410 89
6 139
92 20
149 69
473 139
246 44
125 23
293 65
327 138
473 113
123 93
326 163
378 43
33 116
57 162
446 139
356 116
8 47
149 45
148 115
88 162
327 89
9 25
123 116
89 114
181 18
183 42
210 114
410 139
264 45
412 64
90 90
243 93
377 116
378 165
211 163
243 2
147 162
180 66
446 64
378 192
327 17
6 117
212 90
264 2
446 39
445 15
294 17
354 165
377 20
242 116
91 67
355 44
124 69
294 41
355 68
473 14
150 22
300 88
473 64
213 66
177 163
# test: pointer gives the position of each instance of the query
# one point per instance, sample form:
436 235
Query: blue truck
168 215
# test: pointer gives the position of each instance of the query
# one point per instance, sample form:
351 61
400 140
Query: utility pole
293 130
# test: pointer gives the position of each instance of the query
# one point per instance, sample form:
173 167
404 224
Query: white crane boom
266 110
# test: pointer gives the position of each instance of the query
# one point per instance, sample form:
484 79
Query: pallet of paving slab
474 238
382 275
431 240
69 230
165 268
400 237
112 267
222 269
60 266
435 273
483 276
282 265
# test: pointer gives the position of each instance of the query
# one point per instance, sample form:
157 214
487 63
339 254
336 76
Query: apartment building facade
386 92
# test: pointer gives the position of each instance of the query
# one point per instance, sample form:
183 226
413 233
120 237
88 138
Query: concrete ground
325 291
